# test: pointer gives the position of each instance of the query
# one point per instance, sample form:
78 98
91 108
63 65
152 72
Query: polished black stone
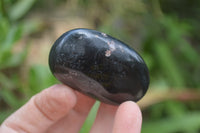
99 66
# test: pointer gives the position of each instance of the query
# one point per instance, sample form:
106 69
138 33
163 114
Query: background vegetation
165 32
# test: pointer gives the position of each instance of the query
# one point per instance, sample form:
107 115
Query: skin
60 109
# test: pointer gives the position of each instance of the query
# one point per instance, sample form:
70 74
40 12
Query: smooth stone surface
99 66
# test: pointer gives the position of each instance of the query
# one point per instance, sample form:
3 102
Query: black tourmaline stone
99 66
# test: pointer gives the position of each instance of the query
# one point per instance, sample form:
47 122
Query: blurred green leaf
174 108
90 119
10 98
169 64
7 45
20 8
4 27
189 53
40 78
187 123
5 82
5 114
14 60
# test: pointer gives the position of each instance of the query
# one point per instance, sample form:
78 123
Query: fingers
105 119
73 122
42 111
60 109
128 118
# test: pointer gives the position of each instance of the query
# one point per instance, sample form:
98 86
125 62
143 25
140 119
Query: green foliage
11 61
187 123
40 78
7 57
169 43
90 119
20 8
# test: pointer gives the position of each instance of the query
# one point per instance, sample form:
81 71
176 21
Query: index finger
41 111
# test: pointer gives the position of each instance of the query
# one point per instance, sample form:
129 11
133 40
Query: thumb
41 111
128 118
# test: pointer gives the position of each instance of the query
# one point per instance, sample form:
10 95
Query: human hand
59 109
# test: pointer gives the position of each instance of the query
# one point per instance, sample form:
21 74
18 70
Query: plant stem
155 97
156 8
